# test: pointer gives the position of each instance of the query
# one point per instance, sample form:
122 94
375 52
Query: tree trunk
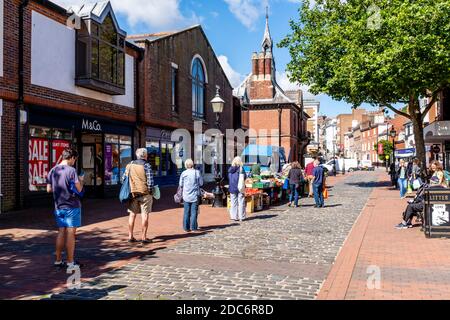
416 118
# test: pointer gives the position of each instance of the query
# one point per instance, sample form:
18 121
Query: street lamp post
217 105
334 158
393 134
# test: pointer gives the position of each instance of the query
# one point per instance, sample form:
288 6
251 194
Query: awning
409 153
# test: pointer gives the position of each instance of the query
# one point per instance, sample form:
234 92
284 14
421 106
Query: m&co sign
38 161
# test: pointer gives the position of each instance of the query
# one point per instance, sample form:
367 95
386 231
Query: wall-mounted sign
436 149
91 125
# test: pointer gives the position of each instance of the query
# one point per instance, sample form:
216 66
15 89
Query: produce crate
250 203
261 185
259 203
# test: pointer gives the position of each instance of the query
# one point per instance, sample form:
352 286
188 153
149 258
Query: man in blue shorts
61 181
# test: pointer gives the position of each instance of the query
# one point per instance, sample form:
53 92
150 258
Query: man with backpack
141 182
66 186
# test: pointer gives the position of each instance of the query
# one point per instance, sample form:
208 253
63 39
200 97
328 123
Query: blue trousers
190 216
318 195
294 195
403 184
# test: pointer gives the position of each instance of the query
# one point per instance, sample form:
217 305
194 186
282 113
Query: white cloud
152 13
235 77
286 84
247 11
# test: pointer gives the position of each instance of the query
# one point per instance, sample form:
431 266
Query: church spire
267 43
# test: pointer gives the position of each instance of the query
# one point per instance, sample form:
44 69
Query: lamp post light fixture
218 105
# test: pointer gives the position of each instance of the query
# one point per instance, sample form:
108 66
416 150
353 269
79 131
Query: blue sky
235 29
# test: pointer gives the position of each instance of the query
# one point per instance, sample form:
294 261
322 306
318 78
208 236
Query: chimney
255 69
268 66
261 66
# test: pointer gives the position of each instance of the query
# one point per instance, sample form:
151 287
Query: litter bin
437 213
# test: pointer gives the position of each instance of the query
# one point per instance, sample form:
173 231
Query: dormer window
100 53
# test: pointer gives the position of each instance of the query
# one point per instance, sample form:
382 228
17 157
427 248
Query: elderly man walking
141 181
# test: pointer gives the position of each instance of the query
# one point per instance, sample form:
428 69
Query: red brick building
180 76
274 117
68 94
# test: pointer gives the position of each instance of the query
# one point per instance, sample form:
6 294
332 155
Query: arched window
198 89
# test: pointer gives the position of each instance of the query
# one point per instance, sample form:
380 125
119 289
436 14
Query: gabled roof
153 37
97 12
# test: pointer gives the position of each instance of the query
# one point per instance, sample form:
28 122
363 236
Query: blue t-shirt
318 175
59 178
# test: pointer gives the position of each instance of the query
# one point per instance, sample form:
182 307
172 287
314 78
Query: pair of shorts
141 204
68 218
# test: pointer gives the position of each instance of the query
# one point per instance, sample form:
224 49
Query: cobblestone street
282 253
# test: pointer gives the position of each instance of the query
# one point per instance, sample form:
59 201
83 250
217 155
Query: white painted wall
53 62
1 38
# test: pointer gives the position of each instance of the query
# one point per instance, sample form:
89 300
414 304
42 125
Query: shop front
165 156
104 146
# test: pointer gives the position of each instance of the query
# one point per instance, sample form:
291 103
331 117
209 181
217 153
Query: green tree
388 148
382 52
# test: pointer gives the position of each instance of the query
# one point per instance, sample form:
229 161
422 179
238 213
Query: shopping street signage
91 125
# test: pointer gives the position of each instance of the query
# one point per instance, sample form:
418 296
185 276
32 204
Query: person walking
402 173
310 176
416 173
64 182
141 180
237 210
191 182
393 174
295 180
318 184
438 176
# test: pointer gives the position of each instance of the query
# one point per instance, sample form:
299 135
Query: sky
235 29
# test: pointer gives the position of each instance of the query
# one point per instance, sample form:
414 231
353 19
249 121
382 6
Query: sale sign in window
58 147
38 163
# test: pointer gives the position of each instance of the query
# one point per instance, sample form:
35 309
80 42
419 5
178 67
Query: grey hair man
141 180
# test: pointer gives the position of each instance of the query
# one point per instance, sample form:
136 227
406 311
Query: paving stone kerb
281 253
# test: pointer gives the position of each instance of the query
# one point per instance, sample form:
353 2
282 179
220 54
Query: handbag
325 193
286 184
156 193
241 183
125 190
417 183
178 197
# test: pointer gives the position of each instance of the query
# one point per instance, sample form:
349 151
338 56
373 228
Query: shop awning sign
91 125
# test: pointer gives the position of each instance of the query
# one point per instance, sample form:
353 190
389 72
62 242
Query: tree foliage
381 52
388 149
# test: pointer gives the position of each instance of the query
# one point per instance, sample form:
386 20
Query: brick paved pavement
278 254
410 266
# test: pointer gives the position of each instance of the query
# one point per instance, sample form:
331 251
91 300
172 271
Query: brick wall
155 83
36 95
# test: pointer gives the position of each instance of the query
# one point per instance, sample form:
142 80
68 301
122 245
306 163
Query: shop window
45 148
154 156
117 155
100 57
174 87
198 89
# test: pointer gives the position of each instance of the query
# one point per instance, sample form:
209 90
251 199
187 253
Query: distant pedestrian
402 173
238 208
65 184
296 179
191 182
141 180
310 176
393 174
318 184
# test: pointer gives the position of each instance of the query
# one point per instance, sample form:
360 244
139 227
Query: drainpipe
20 101
138 96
